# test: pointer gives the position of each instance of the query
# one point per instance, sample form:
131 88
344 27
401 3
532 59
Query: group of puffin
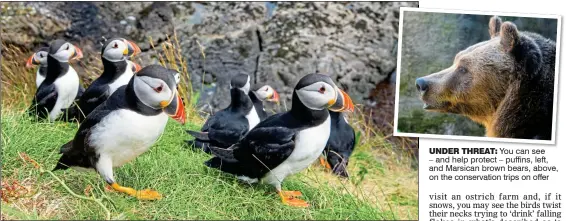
125 110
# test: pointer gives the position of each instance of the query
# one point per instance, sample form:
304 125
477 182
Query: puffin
265 93
40 58
340 145
288 142
118 71
125 126
59 89
228 126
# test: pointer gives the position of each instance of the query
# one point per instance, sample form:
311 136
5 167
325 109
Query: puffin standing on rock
228 126
125 126
118 71
286 143
340 145
59 89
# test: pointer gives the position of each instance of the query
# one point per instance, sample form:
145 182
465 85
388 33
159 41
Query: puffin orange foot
292 193
288 198
324 163
146 194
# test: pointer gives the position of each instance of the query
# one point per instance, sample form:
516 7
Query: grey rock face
275 43
352 42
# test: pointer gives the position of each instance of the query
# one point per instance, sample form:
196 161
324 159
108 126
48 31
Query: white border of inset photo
463 137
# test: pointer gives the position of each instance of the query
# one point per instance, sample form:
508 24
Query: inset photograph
477 76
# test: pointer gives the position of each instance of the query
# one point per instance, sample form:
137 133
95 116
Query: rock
156 21
351 44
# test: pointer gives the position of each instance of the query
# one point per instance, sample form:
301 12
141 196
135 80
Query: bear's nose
421 84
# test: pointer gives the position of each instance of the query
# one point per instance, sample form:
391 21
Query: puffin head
317 91
267 93
242 82
64 51
38 58
119 49
156 87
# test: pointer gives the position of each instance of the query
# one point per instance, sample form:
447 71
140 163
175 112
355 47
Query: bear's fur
505 83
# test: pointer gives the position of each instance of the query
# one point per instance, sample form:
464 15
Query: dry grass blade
18 82
26 158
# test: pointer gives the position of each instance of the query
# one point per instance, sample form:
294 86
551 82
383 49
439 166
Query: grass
191 190
382 184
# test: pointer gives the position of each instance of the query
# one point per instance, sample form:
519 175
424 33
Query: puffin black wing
202 136
263 148
227 138
78 152
80 91
206 125
271 140
93 96
44 100
224 130
200 143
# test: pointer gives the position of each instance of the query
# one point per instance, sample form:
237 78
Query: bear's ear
509 36
494 26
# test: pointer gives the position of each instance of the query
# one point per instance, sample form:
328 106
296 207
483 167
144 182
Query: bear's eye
461 69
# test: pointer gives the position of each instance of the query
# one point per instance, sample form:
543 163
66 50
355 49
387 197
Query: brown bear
505 83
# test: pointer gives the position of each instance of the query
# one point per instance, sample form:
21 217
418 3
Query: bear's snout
422 84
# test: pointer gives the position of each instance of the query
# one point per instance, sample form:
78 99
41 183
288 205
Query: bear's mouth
434 105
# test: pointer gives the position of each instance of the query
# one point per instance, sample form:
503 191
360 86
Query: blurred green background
430 42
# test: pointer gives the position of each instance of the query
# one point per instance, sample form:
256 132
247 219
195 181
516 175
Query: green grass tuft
190 189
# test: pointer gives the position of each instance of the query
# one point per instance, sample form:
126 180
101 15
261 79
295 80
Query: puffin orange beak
341 103
78 53
31 62
175 109
180 111
133 48
274 97
137 67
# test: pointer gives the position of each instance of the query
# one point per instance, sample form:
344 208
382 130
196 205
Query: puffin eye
158 89
67 47
115 45
266 89
41 55
322 90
